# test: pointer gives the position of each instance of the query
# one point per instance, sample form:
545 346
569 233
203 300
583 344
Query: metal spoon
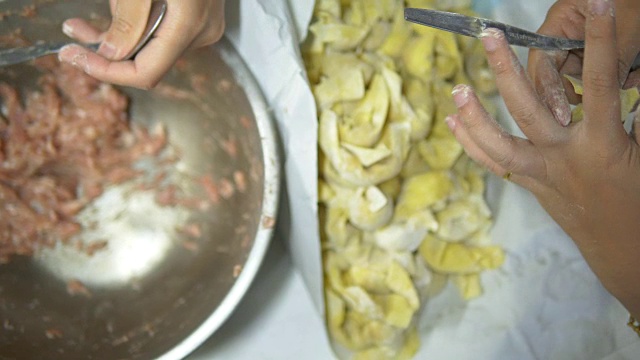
19 55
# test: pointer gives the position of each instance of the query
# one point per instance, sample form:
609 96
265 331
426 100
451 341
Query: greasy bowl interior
150 296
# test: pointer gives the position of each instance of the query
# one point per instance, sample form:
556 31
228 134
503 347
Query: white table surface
275 320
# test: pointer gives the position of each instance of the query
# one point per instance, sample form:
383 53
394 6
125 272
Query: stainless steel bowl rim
271 197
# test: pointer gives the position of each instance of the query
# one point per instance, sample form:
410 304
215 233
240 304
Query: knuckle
598 83
121 26
216 31
507 67
610 156
472 123
479 157
148 84
507 160
208 37
596 34
503 68
525 115
210 32
493 168
145 81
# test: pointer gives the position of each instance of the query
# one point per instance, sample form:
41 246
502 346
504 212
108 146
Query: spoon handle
158 9
19 55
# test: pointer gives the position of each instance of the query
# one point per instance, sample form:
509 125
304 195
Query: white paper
544 303
267 35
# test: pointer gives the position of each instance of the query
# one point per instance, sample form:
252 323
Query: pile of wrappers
402 208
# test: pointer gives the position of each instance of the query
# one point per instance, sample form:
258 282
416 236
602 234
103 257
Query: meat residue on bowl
64 145
59 149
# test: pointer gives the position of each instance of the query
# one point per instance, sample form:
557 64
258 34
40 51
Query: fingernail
65 53
491 39
460 95
76 57
80 61
600 7
107 50
67 29
451 123
562 115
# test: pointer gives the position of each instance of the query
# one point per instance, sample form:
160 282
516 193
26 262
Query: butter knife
474 26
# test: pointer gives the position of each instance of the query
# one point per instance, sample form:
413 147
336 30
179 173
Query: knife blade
474 26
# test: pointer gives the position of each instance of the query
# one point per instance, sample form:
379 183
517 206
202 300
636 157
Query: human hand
567 18
187 24
586 175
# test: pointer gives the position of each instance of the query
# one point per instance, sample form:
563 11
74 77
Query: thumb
129 18
548 83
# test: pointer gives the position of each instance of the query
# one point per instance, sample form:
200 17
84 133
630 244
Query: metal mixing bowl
150 297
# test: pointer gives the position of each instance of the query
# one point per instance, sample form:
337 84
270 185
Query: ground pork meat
59 148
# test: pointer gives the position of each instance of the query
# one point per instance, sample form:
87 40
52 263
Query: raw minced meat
59 148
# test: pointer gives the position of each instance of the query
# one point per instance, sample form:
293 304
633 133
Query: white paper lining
544 303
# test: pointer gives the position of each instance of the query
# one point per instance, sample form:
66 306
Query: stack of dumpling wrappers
402 208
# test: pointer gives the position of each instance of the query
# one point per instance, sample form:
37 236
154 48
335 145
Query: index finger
145 71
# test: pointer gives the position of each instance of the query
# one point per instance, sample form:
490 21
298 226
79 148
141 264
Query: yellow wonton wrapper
628 99
402 211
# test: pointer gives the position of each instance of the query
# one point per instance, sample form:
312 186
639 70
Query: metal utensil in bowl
150 297
18 55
